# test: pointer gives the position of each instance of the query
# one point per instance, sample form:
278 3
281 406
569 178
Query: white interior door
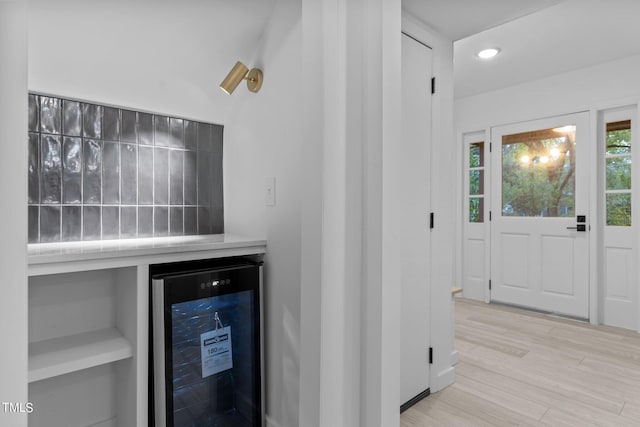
413 228
540 180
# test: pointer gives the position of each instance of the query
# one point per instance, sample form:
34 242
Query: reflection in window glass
476 209
619 209
538 173
619 137
618 173
476 154
476 182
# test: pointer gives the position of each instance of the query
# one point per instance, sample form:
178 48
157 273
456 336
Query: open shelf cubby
82 345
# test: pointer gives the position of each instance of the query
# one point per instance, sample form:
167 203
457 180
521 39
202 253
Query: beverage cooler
207 353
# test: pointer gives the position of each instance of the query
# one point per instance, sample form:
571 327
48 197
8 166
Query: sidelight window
618 173
476 182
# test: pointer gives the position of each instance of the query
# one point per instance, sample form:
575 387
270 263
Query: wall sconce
238 73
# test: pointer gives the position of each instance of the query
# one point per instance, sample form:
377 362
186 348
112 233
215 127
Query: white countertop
135 251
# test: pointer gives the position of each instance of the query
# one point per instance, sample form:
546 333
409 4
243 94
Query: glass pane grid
617 156
618 191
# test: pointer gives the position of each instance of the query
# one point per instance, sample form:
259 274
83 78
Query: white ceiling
560 36
538 38
457 19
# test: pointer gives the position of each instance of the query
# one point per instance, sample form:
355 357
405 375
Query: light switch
270 191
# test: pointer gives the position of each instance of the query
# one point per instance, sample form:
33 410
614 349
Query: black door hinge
430 355
489 284
431 216
433 85
489 215
490 147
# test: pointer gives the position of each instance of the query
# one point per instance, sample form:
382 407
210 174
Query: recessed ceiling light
488 53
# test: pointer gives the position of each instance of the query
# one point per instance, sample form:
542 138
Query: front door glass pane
538 173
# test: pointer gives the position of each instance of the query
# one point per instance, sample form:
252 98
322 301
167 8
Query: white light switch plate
270 191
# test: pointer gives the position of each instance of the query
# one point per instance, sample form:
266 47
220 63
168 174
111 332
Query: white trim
13 216
488 200
272 423
443 378
595 213
349 350
455 357
636 208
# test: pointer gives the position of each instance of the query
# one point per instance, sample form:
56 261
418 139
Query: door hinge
489 284
433 85
430 355
489 215
431 220
490 147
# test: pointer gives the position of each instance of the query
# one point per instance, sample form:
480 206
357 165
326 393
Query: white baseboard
443 379
455 357
107 423
271 422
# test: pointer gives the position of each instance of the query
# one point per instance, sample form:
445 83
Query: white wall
263 139
158 56
13 215
602 86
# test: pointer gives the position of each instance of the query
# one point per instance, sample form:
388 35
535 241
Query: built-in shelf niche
82 347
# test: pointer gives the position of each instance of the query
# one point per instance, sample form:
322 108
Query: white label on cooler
217 353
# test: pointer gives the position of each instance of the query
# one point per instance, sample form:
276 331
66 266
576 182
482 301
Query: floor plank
523 368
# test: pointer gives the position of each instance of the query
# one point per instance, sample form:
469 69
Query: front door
540 219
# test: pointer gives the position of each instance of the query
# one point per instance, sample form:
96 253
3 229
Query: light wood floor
527 369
